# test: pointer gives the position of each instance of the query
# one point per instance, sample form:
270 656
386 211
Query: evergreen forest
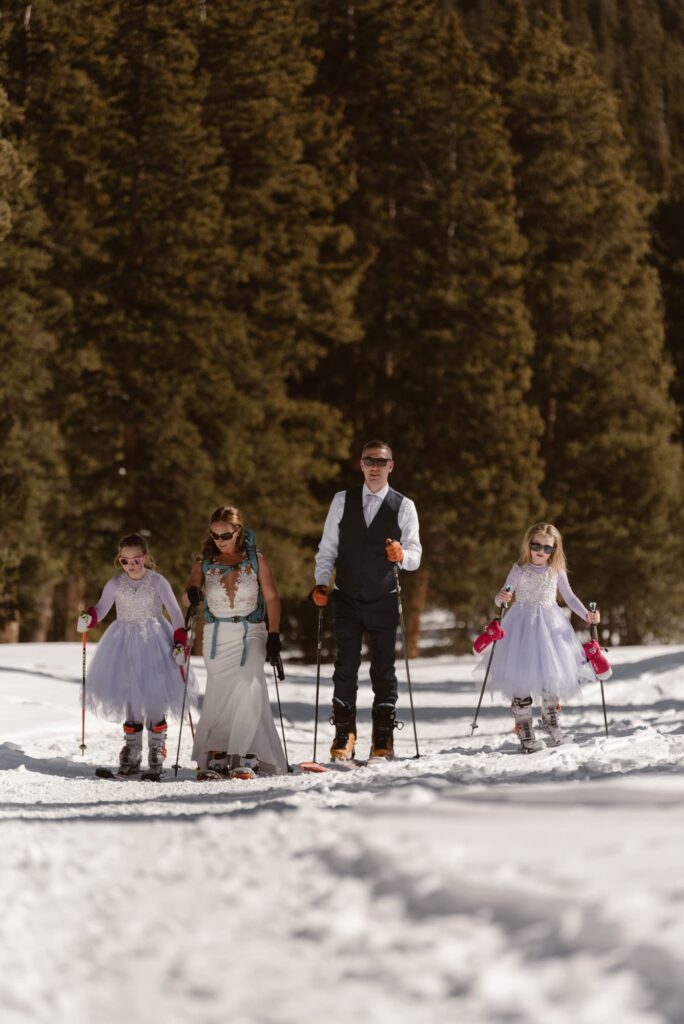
240 239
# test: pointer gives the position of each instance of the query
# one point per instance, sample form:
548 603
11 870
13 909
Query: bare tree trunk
67 600
38 631
9 633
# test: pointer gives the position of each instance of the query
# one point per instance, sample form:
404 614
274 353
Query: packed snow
473 884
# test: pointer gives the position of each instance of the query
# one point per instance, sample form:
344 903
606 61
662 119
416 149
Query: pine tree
31 466
612 473
442 371
132 182
292 278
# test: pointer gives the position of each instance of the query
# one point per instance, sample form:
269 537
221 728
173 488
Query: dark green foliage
236 240
444 364
292 277
31 485
612 473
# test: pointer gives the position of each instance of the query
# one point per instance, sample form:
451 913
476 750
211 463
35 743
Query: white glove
179 655
83 622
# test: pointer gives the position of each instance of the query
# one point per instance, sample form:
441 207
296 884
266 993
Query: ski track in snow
472 885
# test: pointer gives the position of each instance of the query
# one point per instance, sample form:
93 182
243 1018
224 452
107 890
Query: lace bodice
140 603
138 606
231 593
535 587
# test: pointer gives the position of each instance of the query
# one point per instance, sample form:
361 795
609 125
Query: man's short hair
376 444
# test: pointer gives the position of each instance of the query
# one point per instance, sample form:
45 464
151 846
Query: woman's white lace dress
236 713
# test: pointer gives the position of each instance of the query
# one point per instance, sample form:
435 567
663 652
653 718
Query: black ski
107 773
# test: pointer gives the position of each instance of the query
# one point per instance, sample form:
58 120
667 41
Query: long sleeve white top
407 517
161 585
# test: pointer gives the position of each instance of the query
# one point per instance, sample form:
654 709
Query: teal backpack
259 613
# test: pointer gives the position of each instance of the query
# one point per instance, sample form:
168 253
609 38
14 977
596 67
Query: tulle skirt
133 674
540 654
236 714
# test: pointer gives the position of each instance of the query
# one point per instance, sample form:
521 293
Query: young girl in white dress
540 657
236 736
134 675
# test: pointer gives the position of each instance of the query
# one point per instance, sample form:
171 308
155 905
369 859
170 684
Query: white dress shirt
371 502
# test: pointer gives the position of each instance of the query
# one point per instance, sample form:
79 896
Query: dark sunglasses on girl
222 536
132 561
548 549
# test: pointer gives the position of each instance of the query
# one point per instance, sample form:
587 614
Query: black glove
273 648
194 596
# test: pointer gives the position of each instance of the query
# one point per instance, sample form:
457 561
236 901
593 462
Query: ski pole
279 673
502 612
403 642
190 628
594 636
319 644
82 744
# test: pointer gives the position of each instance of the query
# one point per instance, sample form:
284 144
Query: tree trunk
67 600
9 633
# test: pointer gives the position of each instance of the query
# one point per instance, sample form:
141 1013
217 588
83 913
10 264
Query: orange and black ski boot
384 724
344 720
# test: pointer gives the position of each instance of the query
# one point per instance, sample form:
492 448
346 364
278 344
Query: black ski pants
379 620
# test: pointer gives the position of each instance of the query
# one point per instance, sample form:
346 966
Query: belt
214 635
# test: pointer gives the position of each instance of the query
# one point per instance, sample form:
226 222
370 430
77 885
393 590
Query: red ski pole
82 744
502 611
595 636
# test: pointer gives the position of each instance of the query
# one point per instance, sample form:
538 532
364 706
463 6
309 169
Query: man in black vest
368 530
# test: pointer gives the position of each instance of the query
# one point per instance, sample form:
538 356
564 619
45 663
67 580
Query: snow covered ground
474 885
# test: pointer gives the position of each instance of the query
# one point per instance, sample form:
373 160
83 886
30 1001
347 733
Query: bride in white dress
236 736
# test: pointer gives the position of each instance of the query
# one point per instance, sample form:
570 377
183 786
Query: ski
210 776
107 773
358 762
144 776
309 766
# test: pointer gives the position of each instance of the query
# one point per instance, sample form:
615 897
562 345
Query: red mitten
86 620
598 660
492 632
180 647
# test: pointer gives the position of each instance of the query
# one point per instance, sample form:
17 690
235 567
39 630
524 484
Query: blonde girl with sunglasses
134 676
540 658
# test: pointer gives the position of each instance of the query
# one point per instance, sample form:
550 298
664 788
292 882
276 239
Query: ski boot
344 720
522 712
245 768
130 757
156 750
384 724
217 767
549 721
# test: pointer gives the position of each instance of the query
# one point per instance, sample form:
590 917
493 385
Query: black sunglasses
368 460
548 549
222 536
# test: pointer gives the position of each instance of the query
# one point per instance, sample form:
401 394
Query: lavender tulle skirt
540 654
133 674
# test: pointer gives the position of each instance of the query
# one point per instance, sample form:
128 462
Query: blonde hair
136 540
224 514
557 559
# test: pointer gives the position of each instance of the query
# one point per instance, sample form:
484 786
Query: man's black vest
363 571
